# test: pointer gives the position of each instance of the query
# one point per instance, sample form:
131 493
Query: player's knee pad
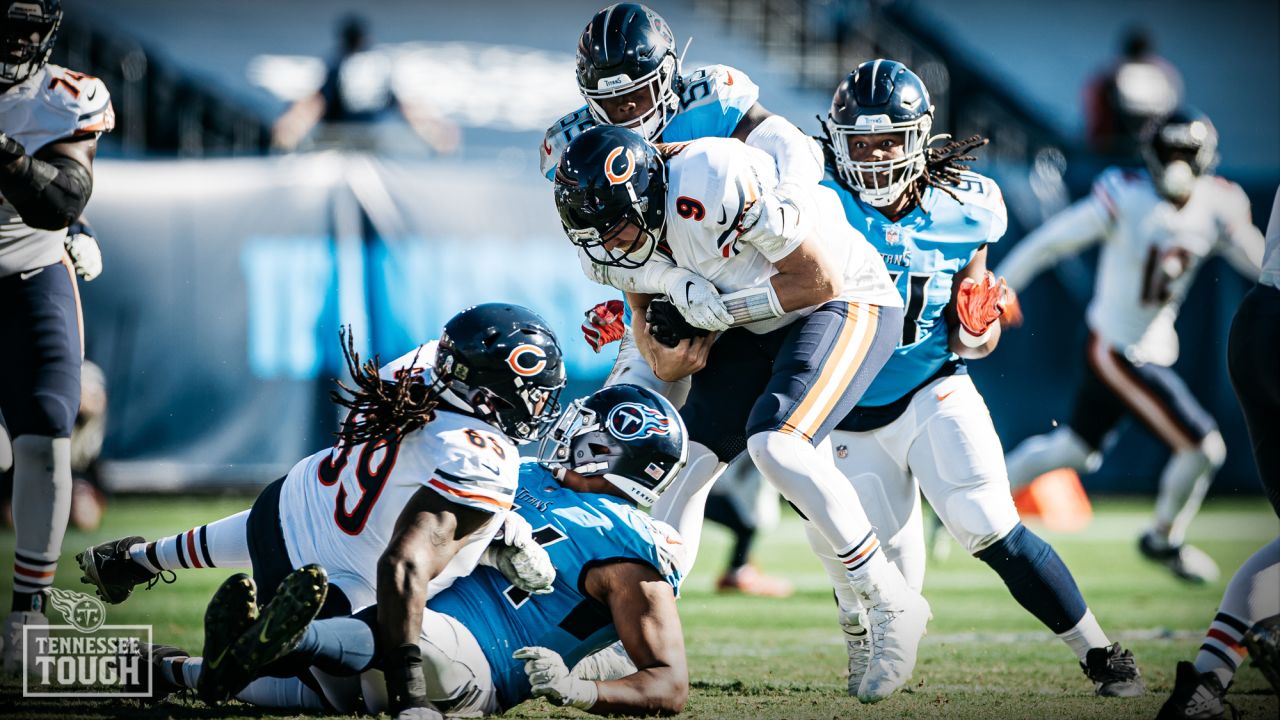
980 513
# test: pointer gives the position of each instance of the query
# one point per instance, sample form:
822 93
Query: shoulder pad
478 468
558 137
84 96
719 86
712 188
417 360
981 200
1114 184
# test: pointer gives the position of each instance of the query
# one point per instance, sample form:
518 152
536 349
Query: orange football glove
980 303
1012 315
603 324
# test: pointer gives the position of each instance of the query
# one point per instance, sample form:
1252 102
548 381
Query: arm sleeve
651 278
1066 233
1241 243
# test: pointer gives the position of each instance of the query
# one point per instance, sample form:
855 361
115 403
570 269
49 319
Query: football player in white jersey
629 74
922 426
807 317
1156 229
410 498
1248 620
50 121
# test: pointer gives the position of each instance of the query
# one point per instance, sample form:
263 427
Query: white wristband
588 697
753 305
975 341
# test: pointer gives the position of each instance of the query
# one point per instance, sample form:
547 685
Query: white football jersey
339 507
1150 253
53 104
713 184
1271 261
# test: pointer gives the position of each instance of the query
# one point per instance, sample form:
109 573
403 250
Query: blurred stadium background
230 265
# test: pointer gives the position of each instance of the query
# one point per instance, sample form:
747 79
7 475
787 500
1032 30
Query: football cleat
232 610
857 643
1263 642
161 686
14 644
1196 696
113 572
1114 672
273 635
749 580
894 638
1186 561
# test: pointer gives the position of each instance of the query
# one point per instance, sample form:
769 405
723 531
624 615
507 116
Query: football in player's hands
667 325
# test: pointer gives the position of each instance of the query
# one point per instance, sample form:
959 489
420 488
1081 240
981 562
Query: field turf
753 658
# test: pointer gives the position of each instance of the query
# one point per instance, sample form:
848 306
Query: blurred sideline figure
358 94
1157 227
922 426
1248 620
629 74
50 121
1120 102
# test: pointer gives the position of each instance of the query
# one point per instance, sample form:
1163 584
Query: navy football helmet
629 434
28 30
607 176
501 363
880 96
1179 149
628 47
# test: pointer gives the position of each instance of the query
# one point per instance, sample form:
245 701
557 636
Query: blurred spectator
358 94
1139 87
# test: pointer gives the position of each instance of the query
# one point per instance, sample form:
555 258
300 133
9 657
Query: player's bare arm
429 532
755 115
51 188
975 270
644 608
806 278
668 363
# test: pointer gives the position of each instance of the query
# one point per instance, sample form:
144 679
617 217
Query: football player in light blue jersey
922 426
485 645
629 74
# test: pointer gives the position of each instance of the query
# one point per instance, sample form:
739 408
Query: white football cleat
895 634
857 643
13 642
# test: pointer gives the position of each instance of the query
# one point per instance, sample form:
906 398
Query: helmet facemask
660 84
1178 154
20 55
880 183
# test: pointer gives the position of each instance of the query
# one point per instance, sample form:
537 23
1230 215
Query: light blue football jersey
578 530
923 251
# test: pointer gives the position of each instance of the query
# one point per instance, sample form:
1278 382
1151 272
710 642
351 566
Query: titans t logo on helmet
632 421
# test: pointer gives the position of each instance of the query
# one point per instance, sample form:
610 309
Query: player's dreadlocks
381 408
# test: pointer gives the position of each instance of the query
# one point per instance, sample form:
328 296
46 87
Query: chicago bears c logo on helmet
527 360
632 421
617 175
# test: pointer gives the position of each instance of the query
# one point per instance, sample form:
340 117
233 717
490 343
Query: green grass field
754 658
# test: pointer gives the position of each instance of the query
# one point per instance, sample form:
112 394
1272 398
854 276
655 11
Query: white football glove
697 300
85 255
549 678
419 713
519 558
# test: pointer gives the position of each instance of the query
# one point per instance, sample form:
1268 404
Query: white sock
1038 455
1251 596
222 544
1183 484
1086 635
41 506
683 504
847 600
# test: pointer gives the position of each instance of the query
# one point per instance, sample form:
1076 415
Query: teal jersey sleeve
578 531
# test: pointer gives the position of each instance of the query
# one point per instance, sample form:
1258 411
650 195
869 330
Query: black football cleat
273 635
1196 696
1186 562
232 610
160 687
113 573
1263 643
1114 672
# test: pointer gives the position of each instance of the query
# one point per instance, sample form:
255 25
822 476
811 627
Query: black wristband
406 682
10 150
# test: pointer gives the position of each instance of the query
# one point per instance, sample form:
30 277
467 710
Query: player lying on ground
630 75
411 497
808 317
486 646
1156 229
1248 621
922 426
50 122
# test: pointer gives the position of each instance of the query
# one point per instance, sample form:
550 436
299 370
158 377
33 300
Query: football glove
519 557
667 325
978 305
1012 315
419 713
406 680
603 324
86 256
698 301
549 678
